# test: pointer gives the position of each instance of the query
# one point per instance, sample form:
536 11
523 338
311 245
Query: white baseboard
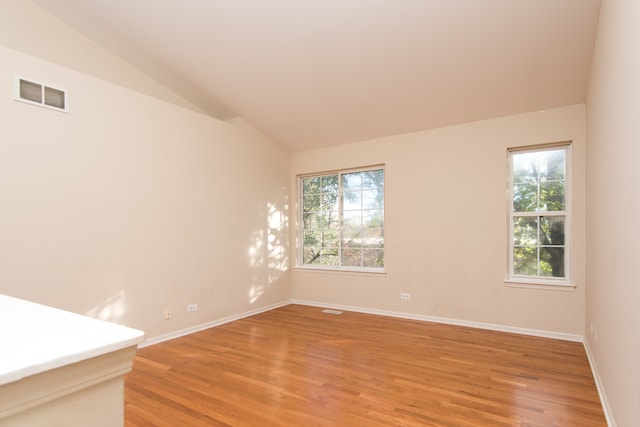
608 412
207 325
401 315
448 321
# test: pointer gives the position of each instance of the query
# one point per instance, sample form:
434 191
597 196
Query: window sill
341 270
550 285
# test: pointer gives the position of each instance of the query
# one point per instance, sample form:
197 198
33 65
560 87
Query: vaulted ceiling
313 73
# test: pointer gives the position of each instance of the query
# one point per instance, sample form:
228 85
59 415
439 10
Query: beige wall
446 226
129 204
613 193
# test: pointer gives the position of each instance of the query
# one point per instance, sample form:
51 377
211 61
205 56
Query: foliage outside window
539 213
343 220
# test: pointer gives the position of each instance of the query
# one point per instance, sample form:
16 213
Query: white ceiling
313 73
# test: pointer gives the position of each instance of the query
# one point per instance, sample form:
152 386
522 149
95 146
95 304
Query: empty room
319 213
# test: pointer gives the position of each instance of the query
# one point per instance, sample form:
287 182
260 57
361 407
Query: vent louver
39 94
331 311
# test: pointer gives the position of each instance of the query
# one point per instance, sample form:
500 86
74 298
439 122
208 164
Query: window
539 214
343 220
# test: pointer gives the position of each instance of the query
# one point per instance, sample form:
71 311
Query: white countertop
35 338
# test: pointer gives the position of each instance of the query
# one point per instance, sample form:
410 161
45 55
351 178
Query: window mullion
538 231
538 193
341 218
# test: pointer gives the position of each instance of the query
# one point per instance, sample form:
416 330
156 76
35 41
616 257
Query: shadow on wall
268 250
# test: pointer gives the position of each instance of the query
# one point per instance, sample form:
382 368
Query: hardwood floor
297 366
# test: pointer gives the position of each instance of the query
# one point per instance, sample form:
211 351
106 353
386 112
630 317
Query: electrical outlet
405 295
168 314
192 307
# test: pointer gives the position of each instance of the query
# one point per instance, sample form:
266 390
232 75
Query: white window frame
541 281
300 240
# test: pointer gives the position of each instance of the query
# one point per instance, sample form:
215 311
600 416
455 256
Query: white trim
448 321
342 171
317 268
401 315
211 324
551 285
606 407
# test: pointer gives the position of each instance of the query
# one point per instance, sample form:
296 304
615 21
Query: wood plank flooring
297 366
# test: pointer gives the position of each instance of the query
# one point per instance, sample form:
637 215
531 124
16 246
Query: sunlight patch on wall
111 310
277 237
256 257
268 250
255 291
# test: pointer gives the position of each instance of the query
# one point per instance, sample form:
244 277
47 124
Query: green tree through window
539 214
343 219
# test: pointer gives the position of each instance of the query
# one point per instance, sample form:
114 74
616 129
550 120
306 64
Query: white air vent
330 311
39 94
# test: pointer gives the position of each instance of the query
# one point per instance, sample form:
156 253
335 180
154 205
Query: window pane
352 219
373 179
552 230
373 218
311 203
311 221
352 257
328 201
525 260
372 199
352 181
330 239
320 220
373 258
311 185
363 238
329 184
352 238
552 261
309 255
373 238
331 220
539 180
525 197
552 165
525 231
352 200
312 237
524 168
552 195
541 165
319 256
